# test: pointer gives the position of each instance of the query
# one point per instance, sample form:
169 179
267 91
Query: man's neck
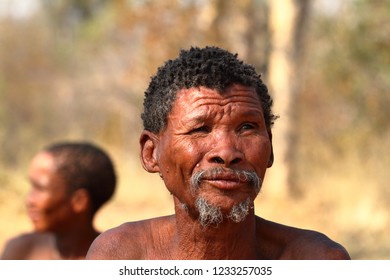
74 244
228 240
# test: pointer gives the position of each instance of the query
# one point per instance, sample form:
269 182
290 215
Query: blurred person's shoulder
28 246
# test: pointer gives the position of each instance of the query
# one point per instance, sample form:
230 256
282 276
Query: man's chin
212 214
225 200
41 228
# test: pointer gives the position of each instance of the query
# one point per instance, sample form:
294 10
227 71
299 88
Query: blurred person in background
70 182
207 132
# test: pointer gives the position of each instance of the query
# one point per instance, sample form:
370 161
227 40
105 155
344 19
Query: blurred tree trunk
257 39
287 20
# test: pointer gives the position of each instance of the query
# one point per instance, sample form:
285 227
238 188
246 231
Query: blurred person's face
49 201
217 135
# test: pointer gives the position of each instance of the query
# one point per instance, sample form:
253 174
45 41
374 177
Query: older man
207 132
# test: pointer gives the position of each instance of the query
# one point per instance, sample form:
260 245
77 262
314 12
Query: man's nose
225 150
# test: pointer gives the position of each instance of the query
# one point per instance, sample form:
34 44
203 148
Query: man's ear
80 200
149 144
271 157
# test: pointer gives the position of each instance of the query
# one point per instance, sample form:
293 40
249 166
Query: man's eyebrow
254 115
191 123
199 117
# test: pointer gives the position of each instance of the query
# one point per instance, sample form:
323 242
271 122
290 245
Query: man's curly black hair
84 165
210 67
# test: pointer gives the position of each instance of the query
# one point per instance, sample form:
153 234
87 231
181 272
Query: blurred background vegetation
77 70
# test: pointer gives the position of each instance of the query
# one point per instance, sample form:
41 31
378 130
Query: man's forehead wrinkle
202 110
196 116
195 107
222 99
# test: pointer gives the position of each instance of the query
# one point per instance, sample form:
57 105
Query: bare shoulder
127 241
23 246
303 244
313 245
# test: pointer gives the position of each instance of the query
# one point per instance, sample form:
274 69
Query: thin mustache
213 173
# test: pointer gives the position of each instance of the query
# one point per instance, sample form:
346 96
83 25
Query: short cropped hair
85 166
210 67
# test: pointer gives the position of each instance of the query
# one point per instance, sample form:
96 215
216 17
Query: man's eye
247 126
201 129
38 187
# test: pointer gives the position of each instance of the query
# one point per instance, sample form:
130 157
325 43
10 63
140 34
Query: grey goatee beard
240 211
208 214
212 215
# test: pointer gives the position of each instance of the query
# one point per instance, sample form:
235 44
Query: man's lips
227 181
225 184
34 215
